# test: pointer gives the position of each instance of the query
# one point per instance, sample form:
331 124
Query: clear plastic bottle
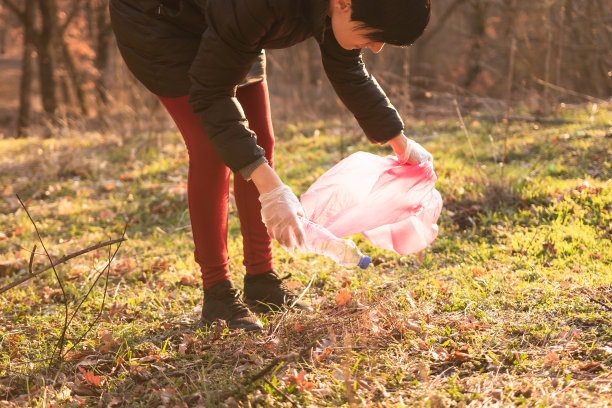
320 241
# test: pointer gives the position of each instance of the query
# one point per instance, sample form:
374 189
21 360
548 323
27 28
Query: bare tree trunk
474 54
75 76
25 86
2 39
48 13
560 40
103 40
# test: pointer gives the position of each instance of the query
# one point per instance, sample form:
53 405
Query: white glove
414 153
279 212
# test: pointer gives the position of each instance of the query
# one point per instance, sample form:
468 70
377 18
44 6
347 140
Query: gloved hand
410 152
279 212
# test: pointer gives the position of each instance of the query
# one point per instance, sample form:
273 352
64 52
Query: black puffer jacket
207 47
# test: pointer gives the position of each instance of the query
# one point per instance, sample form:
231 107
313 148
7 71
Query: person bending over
205 61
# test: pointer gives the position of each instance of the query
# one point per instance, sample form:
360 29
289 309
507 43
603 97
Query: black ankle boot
222 301
268 291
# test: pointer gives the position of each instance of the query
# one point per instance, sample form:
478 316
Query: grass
511 305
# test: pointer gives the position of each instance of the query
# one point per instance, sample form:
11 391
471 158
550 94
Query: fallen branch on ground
62 260
59 348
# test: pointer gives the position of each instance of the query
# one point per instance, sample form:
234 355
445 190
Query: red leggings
208 188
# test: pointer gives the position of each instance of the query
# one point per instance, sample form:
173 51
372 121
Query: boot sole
261 307
247 327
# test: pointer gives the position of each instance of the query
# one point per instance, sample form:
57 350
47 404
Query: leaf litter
423 329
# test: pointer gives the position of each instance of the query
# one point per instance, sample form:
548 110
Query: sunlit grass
509 306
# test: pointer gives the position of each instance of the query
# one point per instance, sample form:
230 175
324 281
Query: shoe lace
237 306
289 293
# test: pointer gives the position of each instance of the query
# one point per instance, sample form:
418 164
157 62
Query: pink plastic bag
395 206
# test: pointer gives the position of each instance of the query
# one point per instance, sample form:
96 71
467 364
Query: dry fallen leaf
115 310
123 265
186 344
299 380
324 354
551 359
106 343
460 356
343 297
477 272
272 344
595 367
91 378
321 390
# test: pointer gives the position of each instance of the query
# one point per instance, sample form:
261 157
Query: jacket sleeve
228 48
359 91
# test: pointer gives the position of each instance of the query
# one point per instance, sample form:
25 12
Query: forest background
59 64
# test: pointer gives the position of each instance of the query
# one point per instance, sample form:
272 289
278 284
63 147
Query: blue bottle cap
364 262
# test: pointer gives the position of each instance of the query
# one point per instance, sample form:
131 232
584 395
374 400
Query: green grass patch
511 305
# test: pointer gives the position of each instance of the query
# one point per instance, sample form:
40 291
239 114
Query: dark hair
397 22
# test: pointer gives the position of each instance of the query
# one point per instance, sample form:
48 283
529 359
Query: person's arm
409 151
359 91
228 48
280 208
362 95
265 178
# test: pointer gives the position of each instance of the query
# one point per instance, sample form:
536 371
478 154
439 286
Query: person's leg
207 193
256 241
264 289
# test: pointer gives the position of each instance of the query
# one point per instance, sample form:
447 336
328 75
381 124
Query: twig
569 91
60 342
607 306
283 359
108 269
285 396
32 259
61 261
278 360
570 335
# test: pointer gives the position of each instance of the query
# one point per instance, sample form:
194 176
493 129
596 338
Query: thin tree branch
108 269
62 260
31 259
60 342
283 359
569 91
281 393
